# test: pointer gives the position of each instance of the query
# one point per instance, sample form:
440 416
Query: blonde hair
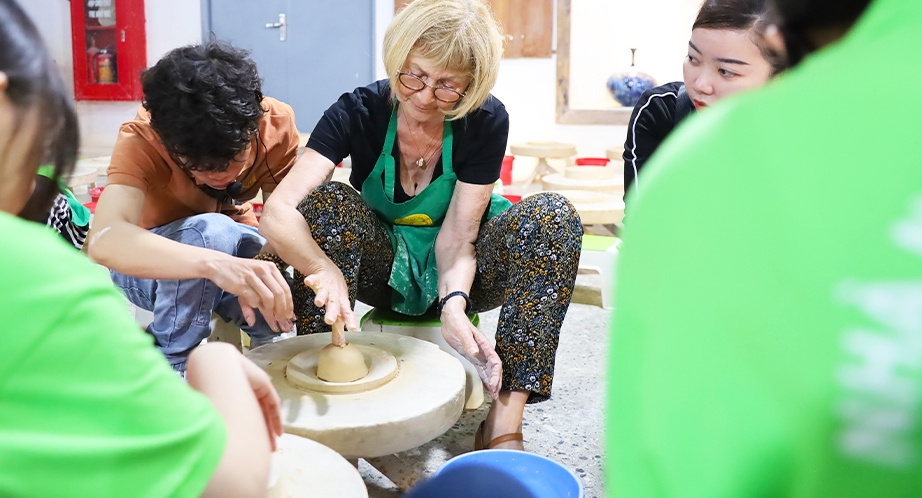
459 35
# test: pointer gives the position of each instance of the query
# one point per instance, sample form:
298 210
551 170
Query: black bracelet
467 300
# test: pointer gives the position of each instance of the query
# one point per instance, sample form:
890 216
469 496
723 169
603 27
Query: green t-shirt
88 406
767 339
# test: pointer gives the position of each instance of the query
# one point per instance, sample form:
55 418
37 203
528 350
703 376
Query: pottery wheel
615 153
302 468
422 401
302 371
595 208
543 149
584 181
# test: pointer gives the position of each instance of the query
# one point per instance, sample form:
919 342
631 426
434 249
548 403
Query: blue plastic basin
500 473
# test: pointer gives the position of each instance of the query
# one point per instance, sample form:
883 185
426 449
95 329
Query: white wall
528 89
170 24
526 86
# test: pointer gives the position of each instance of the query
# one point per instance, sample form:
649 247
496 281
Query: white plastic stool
428 328
599 253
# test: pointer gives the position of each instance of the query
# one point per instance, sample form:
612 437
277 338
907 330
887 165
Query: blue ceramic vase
627 87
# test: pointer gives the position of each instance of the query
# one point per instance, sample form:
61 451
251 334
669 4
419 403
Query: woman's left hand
466 339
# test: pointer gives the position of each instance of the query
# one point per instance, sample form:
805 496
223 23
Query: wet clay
341 363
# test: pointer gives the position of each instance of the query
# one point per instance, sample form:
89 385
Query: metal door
308 52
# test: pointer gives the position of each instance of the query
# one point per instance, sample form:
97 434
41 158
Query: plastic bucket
500 473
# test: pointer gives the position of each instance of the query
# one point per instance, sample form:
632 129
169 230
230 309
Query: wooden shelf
100 28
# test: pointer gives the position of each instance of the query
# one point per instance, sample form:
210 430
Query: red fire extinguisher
91 61
105 66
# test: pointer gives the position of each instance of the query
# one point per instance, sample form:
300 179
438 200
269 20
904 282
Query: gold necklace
421 162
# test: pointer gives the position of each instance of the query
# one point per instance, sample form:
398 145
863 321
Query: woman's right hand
469 341
331 291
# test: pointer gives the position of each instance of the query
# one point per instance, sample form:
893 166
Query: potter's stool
428 328
599 253
543 151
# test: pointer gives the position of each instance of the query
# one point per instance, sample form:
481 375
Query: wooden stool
543 151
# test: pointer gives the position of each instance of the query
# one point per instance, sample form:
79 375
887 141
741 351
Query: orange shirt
139 160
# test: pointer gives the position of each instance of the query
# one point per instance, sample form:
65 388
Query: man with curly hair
173 224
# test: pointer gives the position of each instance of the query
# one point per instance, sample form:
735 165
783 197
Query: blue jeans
183 308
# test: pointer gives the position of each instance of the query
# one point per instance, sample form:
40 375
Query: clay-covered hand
267 397
470 342
257 285
330 290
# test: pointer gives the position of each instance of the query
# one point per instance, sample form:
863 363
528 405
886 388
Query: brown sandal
478 438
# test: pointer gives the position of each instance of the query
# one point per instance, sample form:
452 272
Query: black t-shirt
655 115
356 125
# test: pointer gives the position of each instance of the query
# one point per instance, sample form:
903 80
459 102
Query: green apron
413 225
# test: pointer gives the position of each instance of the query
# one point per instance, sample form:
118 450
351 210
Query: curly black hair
205 103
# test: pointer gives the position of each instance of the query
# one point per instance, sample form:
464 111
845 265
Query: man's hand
257 285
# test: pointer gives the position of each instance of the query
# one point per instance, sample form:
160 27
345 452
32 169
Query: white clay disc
595 208
589 173
301 468
557 181
302 371
615 153
543 149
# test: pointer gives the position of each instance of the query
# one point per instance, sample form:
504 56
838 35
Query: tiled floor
566 428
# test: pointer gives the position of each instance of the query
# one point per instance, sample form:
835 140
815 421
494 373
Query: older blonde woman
421 231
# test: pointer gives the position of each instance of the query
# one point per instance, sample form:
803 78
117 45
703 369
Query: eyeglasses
442 93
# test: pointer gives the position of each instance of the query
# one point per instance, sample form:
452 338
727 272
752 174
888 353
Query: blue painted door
309 52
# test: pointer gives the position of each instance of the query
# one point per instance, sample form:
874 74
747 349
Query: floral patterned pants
527 259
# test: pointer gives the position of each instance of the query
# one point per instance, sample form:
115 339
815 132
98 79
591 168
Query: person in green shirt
88 407
767 339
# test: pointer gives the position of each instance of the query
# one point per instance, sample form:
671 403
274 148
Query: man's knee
217 232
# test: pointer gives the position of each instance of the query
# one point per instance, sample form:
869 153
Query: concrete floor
566 428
